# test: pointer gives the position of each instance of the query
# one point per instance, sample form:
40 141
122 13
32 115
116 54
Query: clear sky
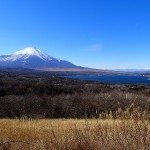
94 33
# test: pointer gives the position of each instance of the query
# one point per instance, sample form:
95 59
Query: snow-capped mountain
33 58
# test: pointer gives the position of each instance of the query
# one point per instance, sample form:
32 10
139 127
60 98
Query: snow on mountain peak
28 51
31 57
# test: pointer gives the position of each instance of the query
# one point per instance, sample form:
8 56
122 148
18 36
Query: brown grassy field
74 134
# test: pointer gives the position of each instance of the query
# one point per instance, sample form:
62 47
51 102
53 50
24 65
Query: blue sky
94 33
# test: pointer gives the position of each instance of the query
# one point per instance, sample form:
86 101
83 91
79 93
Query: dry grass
74 134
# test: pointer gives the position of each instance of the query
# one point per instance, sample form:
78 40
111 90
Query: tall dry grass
75 134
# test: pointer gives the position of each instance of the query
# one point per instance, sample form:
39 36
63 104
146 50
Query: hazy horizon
93 33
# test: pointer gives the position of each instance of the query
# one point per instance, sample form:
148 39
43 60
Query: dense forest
36 94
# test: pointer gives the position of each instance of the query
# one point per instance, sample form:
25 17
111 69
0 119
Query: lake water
114 79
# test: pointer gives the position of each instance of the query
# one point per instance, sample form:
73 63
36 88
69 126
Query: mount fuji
33 58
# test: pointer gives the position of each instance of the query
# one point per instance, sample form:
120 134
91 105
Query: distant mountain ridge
33 58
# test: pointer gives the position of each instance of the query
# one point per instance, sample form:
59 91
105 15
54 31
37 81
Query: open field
110 117
73 134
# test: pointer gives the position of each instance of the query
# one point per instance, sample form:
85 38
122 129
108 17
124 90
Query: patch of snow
30 51
26 53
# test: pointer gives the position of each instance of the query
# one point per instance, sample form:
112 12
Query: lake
114 79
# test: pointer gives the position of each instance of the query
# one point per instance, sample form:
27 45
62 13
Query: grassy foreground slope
122 112
73 134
